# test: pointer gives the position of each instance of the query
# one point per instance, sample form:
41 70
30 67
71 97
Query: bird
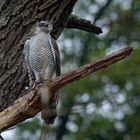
42 61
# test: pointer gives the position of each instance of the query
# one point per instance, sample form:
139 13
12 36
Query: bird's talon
33 86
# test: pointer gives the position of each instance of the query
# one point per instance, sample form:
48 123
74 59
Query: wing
26 51
57 56
26 59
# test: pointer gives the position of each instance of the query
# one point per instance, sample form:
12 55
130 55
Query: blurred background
106 104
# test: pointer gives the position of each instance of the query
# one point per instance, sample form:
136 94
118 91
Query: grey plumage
39 53
26 59
42 59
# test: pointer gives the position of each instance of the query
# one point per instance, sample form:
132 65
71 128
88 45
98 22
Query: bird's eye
43 24
46 25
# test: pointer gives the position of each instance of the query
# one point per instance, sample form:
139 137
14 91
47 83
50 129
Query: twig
61 128
29 105
82 24
102 10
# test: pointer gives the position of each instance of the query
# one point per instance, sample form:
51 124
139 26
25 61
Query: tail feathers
49 112
48 115
45 95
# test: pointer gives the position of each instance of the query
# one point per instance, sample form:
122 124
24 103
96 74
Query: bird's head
44 26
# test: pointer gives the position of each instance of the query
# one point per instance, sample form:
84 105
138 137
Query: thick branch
82 24
29 105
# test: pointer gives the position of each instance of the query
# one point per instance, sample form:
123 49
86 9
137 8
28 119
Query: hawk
42 60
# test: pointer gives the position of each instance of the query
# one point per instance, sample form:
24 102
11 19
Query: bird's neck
38 30
43 33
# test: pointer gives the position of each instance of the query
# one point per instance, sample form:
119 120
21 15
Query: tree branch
82 24
29 105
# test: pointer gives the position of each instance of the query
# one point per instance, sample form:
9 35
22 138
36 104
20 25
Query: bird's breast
41 55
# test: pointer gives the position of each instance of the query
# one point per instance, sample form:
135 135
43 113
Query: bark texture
17 20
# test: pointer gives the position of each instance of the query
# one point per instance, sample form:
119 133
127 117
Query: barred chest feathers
41 55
